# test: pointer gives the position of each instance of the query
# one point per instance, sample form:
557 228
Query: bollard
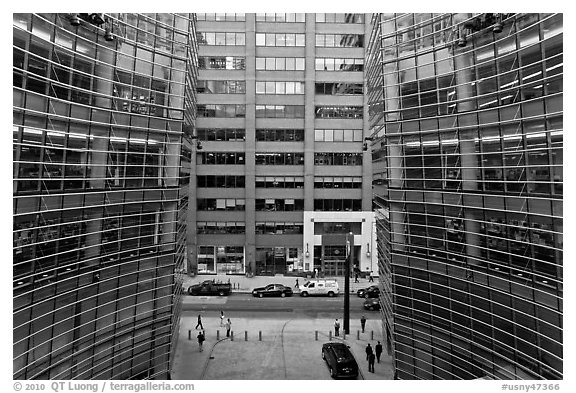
330 335
232 336
372 335
189 334
217 334
260 335
245 335
343 335
316 335
357 334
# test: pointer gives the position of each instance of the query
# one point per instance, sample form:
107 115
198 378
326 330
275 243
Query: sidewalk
243 284
288 350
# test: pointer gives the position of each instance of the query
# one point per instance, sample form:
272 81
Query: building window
222 63
279 135
279 228
221 87
228 204
337 204
221 110
221 17
279 158
339 88
337 182
339 112
279 205
279 182
221 134
340 40
280 63
280 111
221 39
280 39
220 181
339 18
228 158
290 18
279 87
220 227
339 64
326 135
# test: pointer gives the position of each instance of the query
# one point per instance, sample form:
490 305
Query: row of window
221 62
340 40
337 158
280 17
205 158
339 88
279 135
279 181
337 204
339 112
279 158
339 64
279 87
209 204
340 18
220 181
221 39
279 205
221 134
280 63
279 228
280 39
280 111
221 17
226 227
221 87
221 110
337 182
327 135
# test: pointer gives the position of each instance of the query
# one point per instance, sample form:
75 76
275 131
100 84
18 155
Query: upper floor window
337 158
340 40
339 18
221 87
209 204
339 88
280 39
279 181
337 182
221 134
280 111
220 39
221 110
280 17
275 87
279 158
228 158
279 205
222 63
339 64
221 17
339 112
279 135
280 63
338 135
220 181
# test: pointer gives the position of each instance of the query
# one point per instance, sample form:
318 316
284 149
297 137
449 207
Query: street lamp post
349 261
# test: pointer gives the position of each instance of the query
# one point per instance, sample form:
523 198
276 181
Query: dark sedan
372 304
362 292
272 290
340 360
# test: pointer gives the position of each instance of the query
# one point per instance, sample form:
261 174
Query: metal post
316 335
372 335
357 334
217 334
260 335
344 336
245 335
330 335
189 334
231 336
349 261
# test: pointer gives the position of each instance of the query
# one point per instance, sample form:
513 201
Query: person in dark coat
336 328
371 358
199 322
228 325
369 351
378 348
363 323
201 339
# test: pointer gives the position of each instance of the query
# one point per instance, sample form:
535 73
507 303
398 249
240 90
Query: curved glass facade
467 127
101 175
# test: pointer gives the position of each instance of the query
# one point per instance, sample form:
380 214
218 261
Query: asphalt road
314 307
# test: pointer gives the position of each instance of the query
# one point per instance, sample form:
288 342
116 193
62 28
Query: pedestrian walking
371 358
228 327
356 277
315 273
369 351
221 318
297 284
201 339
336 328
199 322
371 279
378 351
363 323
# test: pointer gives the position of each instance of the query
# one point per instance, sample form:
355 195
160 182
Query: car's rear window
341 351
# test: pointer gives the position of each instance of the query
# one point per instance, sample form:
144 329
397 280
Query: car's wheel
221 293
330 294
304 294
261 295
282 294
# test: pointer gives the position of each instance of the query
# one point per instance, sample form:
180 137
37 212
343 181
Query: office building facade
282 122
102 108
466 117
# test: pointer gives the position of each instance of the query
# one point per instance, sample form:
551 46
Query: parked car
372 293
362 291
210 287
320 287
372 304
272 290
340 360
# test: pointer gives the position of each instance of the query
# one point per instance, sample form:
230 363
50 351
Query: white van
319 287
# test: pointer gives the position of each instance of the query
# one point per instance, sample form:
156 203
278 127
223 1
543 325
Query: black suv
340 360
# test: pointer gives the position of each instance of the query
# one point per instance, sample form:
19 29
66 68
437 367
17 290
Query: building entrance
334 260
